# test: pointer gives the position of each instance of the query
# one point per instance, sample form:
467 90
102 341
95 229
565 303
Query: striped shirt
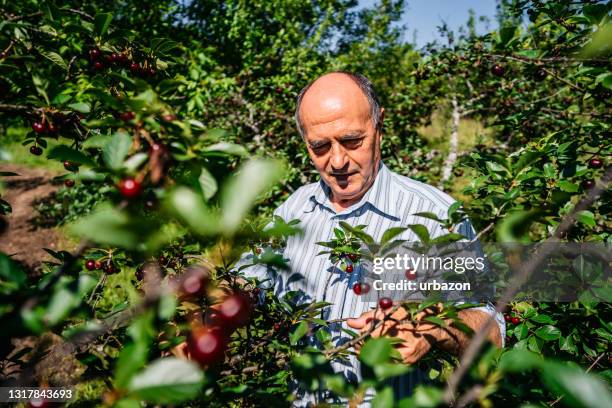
391 201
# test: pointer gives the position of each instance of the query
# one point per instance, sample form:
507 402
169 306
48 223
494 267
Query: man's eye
320 149
352 143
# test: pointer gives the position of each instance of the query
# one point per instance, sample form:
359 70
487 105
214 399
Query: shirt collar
380 195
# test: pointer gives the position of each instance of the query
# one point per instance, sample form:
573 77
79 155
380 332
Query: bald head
340 119
332 92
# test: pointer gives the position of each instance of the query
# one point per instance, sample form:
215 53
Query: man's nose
338 156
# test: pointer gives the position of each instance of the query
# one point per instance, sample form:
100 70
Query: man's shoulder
429 194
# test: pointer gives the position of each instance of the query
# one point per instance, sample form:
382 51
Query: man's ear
380 123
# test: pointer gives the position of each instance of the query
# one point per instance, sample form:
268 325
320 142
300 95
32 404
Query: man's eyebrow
352 135
317 143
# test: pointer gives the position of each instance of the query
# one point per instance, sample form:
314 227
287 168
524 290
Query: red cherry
194 282
122 58
114 57
127 116
595 163
515 320
361 288
110 268
410 274
36 150
168 117
69 183
98 265
385 303
130 188
39 127
588 184
39 403
135 68
353 257
236 310
51 127
90 264
498 70
541 74
256 291
140 273
207 346
213 319
152 72
277 326
95 54
98 66
507 318
349 269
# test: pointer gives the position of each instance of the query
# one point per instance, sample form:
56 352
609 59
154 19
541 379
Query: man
340 120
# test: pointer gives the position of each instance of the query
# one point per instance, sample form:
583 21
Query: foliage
167 115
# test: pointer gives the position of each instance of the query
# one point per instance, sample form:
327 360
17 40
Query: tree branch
525 270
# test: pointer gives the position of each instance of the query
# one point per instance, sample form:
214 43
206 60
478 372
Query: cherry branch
525 270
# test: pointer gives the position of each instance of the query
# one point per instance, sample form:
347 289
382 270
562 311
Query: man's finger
361 321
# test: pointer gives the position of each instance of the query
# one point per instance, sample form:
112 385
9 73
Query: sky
425 15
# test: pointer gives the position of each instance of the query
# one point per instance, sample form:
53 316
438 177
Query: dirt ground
23 240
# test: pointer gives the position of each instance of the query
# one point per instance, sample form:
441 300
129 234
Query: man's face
342 142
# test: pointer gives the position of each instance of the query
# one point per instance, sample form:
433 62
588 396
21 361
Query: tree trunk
454 144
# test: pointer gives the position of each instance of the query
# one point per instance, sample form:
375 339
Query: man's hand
418 335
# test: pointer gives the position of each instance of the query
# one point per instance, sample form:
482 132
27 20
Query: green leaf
549 171
299 332
167 381
62 152
101 23
116 150
55 58
208 183
600 43
13 277
241 191
429 215
391 233
542 318
64 300
514 225
421 232
435 320
131 359
568 187
454 208
390 370
578 388
376 351
427 396
80 107
587 218
358 232
108 225
228 148
191 210
384 398
506 34
518 361
548 333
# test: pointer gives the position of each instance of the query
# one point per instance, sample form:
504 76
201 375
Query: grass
12 151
